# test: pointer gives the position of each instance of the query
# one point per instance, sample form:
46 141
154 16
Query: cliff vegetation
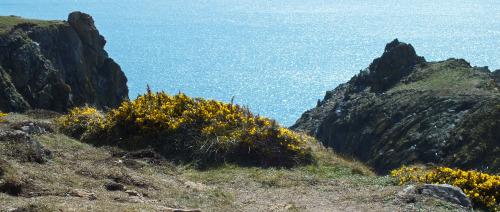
180 126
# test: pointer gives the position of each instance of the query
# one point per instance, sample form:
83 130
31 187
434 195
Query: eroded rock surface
57 66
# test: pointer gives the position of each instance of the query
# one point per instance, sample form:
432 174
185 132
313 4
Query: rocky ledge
403 110
56 65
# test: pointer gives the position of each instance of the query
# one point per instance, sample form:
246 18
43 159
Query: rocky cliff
404 110
56 65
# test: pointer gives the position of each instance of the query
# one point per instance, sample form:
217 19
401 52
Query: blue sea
275 56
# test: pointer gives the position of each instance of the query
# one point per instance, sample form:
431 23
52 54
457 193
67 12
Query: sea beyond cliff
277 57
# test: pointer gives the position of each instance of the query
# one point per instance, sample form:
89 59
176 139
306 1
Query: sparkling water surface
275 56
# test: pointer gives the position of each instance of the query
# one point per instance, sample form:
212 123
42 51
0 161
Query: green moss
9 22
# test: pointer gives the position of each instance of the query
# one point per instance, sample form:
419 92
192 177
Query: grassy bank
152 183
7 23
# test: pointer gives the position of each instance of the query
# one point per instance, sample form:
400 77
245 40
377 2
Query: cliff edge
56 65
403 110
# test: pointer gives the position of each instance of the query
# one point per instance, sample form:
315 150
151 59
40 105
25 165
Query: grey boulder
444 192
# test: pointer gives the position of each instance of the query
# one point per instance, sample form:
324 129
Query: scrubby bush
193 129
81 120
1 116
483 189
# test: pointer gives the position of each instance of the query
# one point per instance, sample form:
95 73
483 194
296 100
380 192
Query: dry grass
332 184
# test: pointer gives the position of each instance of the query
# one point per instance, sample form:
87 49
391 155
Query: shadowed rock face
403 110
57 67
397 61
496 76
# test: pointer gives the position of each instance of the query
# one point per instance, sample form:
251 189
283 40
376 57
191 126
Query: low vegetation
483 189
191 128
9 22
447 77
2 115
81 120
144 180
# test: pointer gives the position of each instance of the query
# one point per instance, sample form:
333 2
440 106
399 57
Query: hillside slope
43 170
404 110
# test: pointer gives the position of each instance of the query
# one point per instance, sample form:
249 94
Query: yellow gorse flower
483 189
86 119
2 115
234 128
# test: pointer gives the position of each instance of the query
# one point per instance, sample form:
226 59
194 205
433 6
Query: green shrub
482 188
81 120
192 129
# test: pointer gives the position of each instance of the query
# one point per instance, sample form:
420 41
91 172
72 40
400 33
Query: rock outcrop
23 146
496 76
404 110
445 192
58 65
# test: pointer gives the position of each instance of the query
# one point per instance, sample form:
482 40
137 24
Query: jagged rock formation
404 110
57 65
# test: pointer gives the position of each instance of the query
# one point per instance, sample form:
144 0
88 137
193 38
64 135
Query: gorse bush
483 189
192 128
1 116
81 120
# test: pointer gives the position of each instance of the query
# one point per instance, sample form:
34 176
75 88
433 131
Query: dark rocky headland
403 110
56 65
